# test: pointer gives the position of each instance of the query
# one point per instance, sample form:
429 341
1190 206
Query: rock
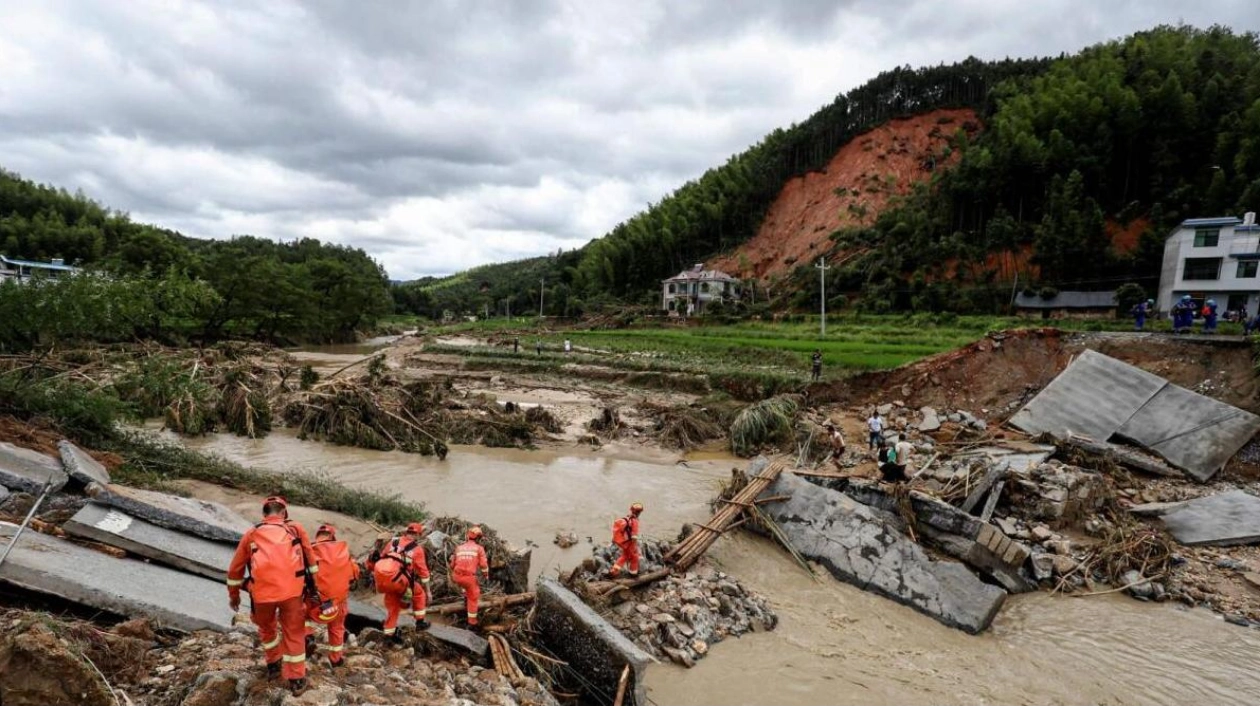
1008 526
136 628
929 423
1139 589
1041 533
954 417
164 669
1237 620
215 688
663 619
80 466
319 695
36 669
680 657
1252 578
1063 565
565 540
1042 566
700 647
4 494
436 540
862 546
884 410
1060 546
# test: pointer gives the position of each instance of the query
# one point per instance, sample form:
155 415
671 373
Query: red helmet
474 532
415 528
276 501
636 508
328 530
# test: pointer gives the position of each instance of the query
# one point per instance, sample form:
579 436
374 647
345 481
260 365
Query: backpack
392 572
277 565
621 530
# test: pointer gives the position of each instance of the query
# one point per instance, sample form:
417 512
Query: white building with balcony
690 291
1213 258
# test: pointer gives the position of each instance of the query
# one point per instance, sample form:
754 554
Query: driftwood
621 686
487 603
686 553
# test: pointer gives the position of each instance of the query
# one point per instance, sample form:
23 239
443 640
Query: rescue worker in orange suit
337 572
274 562
626 536
401 573
470 557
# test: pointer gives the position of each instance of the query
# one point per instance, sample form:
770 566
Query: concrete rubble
1231 518
865 547
80 466
210 520
28 471
190 553
49 565
575 633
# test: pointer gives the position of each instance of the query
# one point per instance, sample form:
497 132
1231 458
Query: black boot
298 686
273 670
310 646
423 625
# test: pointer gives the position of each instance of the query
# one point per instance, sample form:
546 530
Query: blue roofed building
1213 258
22 270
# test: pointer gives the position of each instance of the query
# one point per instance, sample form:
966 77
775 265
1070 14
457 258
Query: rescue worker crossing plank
338 571
274 562
401 573
626 536
470 557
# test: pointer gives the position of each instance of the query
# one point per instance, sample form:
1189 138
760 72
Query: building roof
36 264
1067 300
698 273
1215 221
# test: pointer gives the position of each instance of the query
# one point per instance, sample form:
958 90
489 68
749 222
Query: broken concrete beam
1155 509
1231 518
588 643
466 641
1124 456
27 470
205 518
190 553
175 599
991 503
80 465
863 547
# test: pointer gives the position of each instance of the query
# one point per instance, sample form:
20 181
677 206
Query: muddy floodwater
835 643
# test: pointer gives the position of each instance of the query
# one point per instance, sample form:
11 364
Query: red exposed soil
870 169
1125 237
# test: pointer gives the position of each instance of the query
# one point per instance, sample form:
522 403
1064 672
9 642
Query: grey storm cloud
438 135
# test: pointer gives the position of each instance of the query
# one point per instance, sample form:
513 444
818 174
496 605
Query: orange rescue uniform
277 555
626 536
468 558
401 568
337 571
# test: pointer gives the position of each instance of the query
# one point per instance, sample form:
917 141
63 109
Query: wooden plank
990 504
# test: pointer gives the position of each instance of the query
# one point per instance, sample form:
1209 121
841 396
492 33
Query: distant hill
1076 168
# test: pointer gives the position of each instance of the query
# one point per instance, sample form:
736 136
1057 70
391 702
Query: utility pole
542 290
822 279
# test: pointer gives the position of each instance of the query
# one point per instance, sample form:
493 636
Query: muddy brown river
835 643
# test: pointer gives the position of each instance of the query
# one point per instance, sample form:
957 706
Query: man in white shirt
875 424
904 451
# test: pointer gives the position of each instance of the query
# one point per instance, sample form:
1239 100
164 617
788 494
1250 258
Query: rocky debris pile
603 556
681 616
1059 493
44 660
929 420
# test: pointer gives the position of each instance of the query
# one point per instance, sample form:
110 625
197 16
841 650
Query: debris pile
681 616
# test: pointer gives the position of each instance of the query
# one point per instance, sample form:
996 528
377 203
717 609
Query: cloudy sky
438 135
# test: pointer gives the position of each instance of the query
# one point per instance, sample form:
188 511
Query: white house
21 270
690 290
1213 258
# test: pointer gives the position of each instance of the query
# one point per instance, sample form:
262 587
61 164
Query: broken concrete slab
1093 396
80 465
4 494
175 599
190 553
210 520
1231 518
1194 432
588 643
863 546
1155 509
26 470
1018 456
1132 458
467 641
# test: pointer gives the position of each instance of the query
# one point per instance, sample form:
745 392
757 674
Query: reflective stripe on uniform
335 649
472 615
417 614
390 631
425 580
235 582
313 569
300 658
268 645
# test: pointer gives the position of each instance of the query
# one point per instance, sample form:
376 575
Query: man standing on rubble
468 559
626 536
401 573
875 424
904 450
274 562
338 571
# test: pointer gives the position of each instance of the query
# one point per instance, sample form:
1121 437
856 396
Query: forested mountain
1126 137
303 290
